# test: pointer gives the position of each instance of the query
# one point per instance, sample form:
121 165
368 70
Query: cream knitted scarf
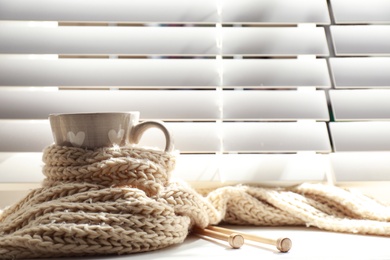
120 200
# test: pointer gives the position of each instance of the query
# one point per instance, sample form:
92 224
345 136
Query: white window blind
252 90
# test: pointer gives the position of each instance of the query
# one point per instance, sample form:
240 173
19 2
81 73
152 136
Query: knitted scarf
120 200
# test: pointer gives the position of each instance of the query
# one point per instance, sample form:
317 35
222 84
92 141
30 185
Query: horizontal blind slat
367 104
275 137
33 136
20 167
373 40
94 40
171 73
275 11
361 72
289 73
360 136
266 105
361 166
137 11
285 168
168 105
109 72
361 11
193 41
168 11
24 135
274 41
152 104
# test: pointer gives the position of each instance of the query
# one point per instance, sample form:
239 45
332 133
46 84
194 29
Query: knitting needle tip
235 240
283 244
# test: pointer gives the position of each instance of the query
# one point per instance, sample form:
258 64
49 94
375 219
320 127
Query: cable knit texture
120 200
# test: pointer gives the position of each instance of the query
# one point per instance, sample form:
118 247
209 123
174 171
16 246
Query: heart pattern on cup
116 137
76 139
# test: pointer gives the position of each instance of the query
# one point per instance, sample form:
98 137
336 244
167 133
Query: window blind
253 91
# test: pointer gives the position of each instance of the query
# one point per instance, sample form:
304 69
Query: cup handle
138 130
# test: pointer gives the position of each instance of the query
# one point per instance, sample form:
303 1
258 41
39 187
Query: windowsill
308 243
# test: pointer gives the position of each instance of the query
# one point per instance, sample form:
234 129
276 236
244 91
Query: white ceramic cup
95 130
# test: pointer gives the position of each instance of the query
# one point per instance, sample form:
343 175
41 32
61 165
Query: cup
95 130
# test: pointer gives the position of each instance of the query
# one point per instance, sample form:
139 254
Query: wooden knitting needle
234 240
282 244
